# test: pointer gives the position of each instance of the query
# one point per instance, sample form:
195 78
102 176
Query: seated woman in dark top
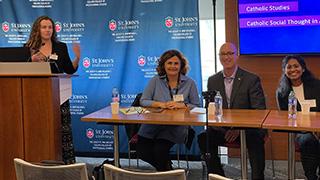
296 77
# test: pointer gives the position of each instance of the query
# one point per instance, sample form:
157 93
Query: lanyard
170 87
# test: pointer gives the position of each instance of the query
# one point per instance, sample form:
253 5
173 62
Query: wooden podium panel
11 125
42 124
30 121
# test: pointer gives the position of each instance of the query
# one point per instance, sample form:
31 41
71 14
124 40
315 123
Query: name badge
53 57
178 98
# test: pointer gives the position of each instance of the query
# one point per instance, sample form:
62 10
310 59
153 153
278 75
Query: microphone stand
214 36
207 155
55 64
36 51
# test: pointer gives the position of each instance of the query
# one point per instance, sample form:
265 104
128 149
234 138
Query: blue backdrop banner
121 42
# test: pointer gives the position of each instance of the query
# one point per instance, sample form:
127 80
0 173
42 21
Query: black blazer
311 91
246 92
64 62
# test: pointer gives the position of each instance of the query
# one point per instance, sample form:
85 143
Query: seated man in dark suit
240 89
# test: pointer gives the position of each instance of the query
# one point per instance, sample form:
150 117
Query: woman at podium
170 89
44 46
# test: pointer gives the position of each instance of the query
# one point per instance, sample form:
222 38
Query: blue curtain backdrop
121 41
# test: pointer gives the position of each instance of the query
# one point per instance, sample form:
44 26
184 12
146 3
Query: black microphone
209 93
37 50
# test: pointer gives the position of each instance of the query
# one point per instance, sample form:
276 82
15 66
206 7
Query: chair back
30 171
296 145
132 129
237 145
136 101
217 177
189 139
114 173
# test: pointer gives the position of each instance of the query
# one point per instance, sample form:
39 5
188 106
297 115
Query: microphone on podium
37 50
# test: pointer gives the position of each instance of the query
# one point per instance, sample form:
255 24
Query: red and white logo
112 25
169 21
5 26
58 26
90 133
141 60
86 62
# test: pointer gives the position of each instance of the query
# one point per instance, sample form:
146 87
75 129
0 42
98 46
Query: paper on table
306 104
133 110
198 110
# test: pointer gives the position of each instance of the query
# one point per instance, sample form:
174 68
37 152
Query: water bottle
115 95
292 105
218 104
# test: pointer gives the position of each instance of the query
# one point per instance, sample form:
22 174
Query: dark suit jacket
246 93
64 62
311 91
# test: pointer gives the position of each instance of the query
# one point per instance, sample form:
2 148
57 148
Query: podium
30 122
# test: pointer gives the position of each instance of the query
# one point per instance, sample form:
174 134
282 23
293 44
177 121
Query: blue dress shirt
158 90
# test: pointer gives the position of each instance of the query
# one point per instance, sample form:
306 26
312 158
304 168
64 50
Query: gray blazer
246 93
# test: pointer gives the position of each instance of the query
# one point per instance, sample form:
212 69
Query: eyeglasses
226 53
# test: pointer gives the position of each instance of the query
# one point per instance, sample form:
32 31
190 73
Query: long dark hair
34 41
285 83
169 54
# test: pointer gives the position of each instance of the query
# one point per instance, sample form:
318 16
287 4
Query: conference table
278 120
166 117
241 119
